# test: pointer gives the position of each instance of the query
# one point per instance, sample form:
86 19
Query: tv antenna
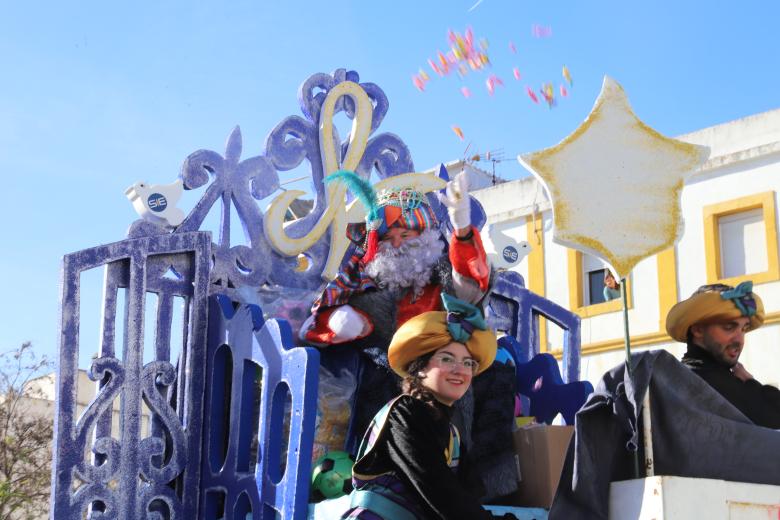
493 157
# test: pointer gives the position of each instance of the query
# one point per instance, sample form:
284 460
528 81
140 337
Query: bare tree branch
25 436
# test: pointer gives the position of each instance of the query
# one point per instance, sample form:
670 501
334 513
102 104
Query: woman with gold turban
407 463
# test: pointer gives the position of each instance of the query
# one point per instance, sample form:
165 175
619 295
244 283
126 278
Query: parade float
234 417
241 414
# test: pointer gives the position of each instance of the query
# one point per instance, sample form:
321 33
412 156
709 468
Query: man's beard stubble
718 351
409 265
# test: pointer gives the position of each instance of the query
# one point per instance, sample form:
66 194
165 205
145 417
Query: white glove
458 202
347 324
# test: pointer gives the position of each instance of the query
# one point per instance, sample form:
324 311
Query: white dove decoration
157 203
508 252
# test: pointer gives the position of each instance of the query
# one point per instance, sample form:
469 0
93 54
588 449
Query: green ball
332 475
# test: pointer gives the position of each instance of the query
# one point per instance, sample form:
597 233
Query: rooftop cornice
737 157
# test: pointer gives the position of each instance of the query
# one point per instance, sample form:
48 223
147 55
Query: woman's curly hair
412 384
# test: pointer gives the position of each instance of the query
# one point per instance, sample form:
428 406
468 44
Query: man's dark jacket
760 403
696 433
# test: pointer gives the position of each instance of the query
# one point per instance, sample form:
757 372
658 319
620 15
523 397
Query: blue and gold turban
715 303
430 331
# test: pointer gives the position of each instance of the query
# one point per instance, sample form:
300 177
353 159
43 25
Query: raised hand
458 203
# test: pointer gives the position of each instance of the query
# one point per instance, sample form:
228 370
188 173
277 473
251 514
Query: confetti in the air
541 31
418 82
466 54
548 93
475 6
567 76
458 131
531 94
492 82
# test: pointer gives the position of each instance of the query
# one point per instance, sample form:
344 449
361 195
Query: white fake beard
408 265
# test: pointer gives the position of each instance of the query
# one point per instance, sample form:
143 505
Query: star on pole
615 183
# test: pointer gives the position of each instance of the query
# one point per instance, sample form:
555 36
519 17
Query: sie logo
510 254
157 202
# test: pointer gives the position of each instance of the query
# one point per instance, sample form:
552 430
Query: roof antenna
493 157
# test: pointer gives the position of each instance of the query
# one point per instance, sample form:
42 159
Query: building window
586 286
740 233
596 286
740 238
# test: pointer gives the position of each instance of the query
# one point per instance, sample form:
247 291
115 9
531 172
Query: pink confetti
463 55
419 83
512 47
492 82
532 95
466 92
540 31
564 92
548 93
516 73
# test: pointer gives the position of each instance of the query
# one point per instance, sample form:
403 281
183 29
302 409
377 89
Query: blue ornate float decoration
125 472
231 421
250 464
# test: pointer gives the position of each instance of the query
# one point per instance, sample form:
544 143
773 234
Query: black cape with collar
412 446
760 403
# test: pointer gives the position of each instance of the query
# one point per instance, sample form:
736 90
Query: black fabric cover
696 433
760 403
491 450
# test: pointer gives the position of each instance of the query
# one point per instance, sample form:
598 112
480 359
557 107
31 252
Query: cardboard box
540 451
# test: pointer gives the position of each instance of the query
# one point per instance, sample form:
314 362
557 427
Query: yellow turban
428 332
708 305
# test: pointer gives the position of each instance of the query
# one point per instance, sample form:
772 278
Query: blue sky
98 95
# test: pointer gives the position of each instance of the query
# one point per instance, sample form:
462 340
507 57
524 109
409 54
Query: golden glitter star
615 183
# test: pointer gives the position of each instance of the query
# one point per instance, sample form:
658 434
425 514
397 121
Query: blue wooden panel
130 473
516 310
539 380
239 341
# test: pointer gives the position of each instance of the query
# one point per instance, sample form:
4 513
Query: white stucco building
729 208
39 398
478 178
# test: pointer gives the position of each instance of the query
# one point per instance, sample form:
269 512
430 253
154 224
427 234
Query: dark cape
760 403
411 447
696 433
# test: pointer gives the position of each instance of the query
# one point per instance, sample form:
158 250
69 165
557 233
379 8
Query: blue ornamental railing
232 419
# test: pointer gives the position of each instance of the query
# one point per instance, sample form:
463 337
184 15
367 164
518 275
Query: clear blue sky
97 95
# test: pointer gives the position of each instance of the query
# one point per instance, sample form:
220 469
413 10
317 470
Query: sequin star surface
615 183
